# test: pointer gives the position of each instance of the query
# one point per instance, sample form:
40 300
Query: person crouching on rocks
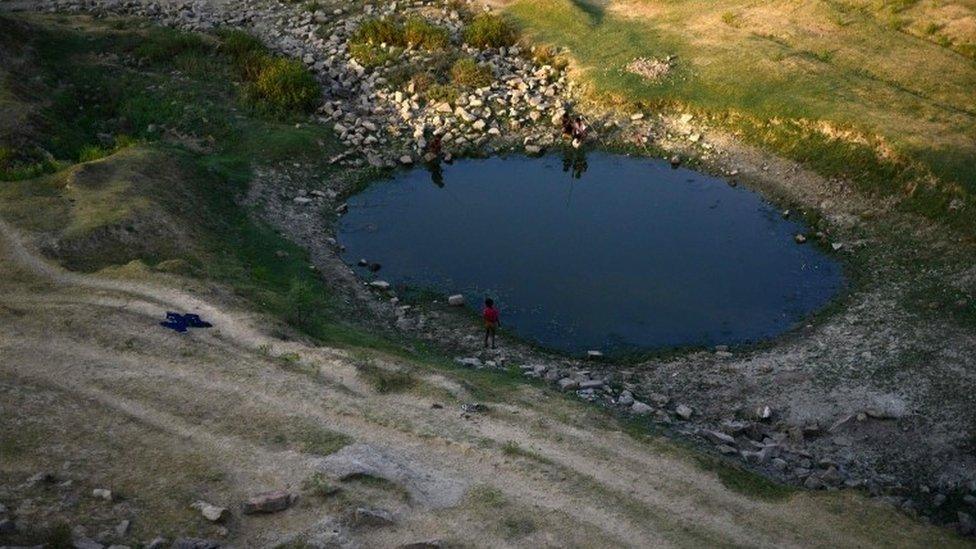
490 315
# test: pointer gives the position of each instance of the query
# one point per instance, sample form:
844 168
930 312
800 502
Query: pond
606 252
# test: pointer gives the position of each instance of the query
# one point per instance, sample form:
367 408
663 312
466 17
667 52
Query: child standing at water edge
490 315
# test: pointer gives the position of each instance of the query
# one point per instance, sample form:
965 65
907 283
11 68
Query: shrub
442 92
284 86
422 82
492 31
237 43
467 72
247 53
422 34
379 31
92 152
162 45
369 55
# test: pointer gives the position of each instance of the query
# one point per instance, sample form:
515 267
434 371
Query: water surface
614 253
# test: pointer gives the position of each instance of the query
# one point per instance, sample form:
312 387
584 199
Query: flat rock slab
427 487
268 502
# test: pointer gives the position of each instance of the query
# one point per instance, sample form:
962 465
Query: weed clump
423 34
163 45
284 86
490 31
274 84
466 72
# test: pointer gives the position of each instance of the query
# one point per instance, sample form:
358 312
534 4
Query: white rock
210 512
456 300
684 412
102 493
380 285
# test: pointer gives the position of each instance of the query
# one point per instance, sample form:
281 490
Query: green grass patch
466 72
491 31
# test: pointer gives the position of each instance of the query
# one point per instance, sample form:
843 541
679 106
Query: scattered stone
406 160
591 384
456 300
210 512
594 355
684 412
567 384
380 285
86 543
675 161
625 399
718 438
158 542
470 362
727 450
122 528
799 238
268 502
342 208
474 408
365 516
639 408
637 116
102 493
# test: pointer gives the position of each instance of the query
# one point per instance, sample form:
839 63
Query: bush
247 53
284 86
369 55
379 31
92 152
422 34
162 45
491 31
442 92
415 30
467 72
237 43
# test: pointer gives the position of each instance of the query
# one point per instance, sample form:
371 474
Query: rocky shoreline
521 111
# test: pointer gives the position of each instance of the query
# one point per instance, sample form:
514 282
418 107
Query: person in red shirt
490 315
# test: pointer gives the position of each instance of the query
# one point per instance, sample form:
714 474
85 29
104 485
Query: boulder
718 437
380 285
591 384
456 300
568 384
684 412
366 516
639 408
625 399
102 493
799 238
268 502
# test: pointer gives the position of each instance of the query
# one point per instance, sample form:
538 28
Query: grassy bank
133 144
826 83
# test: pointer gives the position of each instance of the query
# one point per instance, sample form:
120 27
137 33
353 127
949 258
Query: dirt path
94 391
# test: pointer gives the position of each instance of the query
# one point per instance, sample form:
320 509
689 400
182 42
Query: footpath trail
94 391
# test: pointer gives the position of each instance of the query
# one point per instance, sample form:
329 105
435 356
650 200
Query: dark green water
632 255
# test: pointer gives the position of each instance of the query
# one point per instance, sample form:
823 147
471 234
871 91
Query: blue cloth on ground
181 322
